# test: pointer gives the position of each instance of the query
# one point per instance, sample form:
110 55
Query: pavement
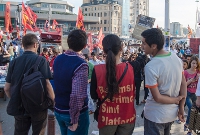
8 122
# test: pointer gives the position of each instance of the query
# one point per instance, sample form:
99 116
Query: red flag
54 25
28 18
32 14
100 41
79 22
8 25
25 18
90 43
100 34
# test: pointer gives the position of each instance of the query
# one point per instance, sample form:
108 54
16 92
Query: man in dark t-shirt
16 70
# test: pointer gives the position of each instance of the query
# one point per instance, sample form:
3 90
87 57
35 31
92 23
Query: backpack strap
37 63
34 68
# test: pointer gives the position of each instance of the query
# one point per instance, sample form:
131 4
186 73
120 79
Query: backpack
33 90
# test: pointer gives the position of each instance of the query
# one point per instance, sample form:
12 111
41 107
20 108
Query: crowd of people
110 77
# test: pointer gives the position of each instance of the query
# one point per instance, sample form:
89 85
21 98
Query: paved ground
8 122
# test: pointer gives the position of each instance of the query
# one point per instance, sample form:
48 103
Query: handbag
194 122
100 102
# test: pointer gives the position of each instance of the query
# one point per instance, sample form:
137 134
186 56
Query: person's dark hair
197 60
111 47
28 40
154 36
93 54
45 50
188 56
86 56
55 52
77 40
185 61
130 57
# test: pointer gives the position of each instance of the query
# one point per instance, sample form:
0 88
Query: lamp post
110 17
197 18
19 10
167 28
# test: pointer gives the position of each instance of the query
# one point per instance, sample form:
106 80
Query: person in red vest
117 113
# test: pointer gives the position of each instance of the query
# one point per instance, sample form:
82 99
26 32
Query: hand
181 115
198 102
73 127
89 80
178 99
197 77
192 80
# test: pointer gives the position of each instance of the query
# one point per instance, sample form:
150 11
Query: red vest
121 110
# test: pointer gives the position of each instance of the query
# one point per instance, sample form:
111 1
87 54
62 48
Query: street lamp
197 18
19 10
110 16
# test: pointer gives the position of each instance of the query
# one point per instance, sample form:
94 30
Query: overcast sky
183 11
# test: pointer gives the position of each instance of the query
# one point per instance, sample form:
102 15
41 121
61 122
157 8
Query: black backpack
33 90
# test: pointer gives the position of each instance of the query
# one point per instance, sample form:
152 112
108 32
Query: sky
182 11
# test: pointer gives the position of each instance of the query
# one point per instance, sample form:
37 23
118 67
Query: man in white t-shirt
166 82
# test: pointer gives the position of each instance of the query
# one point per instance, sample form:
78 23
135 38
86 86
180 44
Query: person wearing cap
94 59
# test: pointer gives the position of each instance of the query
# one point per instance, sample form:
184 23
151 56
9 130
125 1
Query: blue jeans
64 121
190 100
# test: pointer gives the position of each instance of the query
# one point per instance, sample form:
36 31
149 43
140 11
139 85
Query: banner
143 23
28 18
194 45
79 22
8 25
54 25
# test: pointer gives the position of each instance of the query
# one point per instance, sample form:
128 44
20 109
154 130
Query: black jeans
24 122
137 85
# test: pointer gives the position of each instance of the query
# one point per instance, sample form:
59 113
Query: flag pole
49 17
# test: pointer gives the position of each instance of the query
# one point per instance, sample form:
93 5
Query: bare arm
50 90
183 93
164 99
7 89
6 55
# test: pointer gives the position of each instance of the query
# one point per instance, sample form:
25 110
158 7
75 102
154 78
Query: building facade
176 29
128 11
110 13
59 10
